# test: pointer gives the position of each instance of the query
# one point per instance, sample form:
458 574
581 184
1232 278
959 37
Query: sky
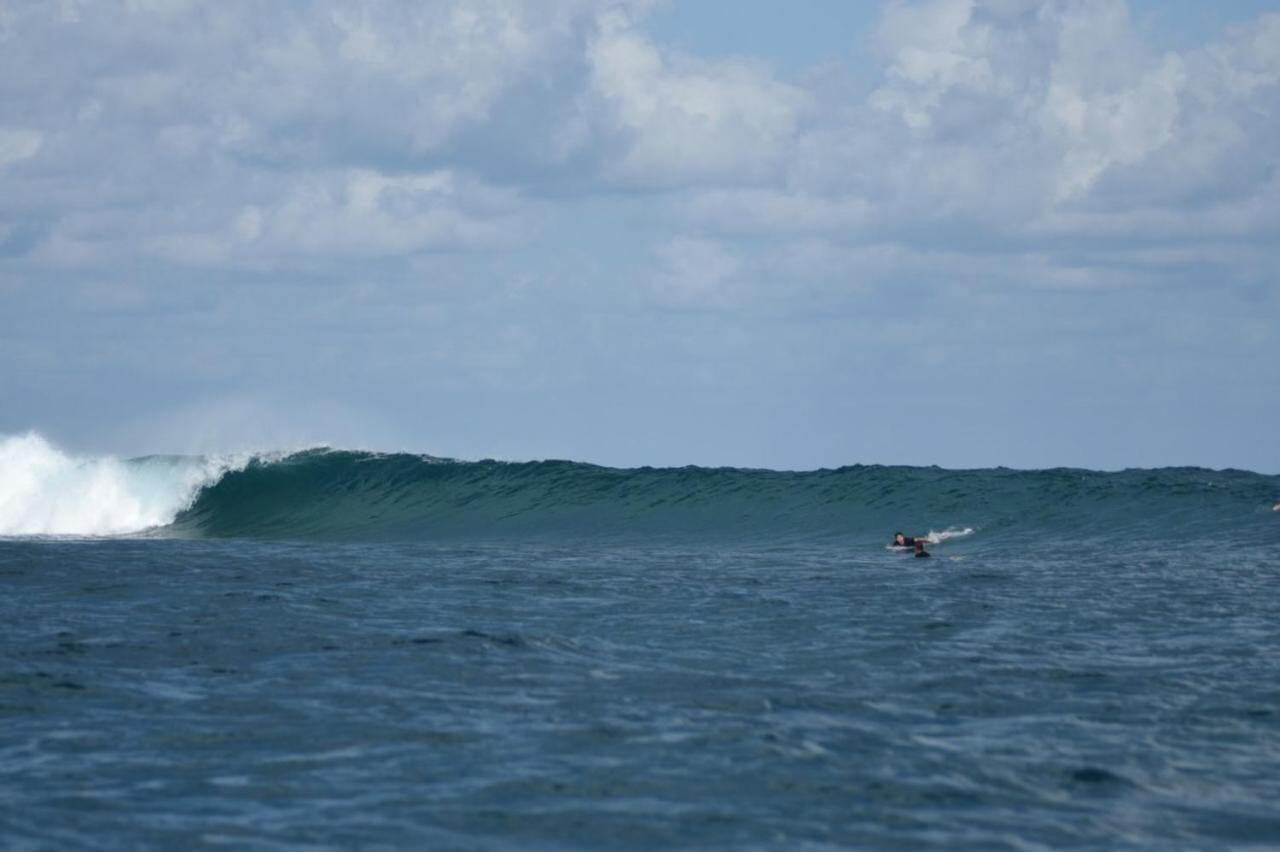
970 233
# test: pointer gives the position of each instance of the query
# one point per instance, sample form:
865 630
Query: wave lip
44 491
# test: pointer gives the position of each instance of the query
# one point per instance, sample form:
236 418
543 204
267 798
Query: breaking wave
44 491
364 496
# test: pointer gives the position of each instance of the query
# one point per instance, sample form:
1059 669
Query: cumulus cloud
320 80
686 120
237 133
202 133
1013 126
356 213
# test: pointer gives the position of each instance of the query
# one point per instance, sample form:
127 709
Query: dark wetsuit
912 542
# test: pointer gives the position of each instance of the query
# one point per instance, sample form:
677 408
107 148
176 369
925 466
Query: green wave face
366 496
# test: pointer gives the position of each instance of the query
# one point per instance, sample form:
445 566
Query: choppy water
1104 674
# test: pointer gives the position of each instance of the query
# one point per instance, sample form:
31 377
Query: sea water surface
351 650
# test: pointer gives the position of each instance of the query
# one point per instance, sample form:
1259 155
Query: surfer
916 541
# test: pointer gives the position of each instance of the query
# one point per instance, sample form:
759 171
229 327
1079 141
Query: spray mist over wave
44 491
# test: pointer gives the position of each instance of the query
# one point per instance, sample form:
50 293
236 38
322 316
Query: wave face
361 496
356 495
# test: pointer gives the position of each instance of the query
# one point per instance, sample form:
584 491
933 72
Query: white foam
44 491
950 532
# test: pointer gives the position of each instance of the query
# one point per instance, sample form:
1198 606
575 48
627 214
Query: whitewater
342 648
45 491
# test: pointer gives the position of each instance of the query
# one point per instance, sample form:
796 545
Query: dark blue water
595 672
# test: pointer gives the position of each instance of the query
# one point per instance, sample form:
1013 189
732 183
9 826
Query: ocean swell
342 494
364 496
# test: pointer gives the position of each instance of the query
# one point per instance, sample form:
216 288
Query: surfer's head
899 538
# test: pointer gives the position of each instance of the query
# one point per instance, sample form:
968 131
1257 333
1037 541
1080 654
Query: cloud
1067 94
284 136
1032 130
695 272
773 211
17 145
491 212
932 49
684 120
357 213
208 134
326 80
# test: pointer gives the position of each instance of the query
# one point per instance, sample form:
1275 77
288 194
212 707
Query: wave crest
364 496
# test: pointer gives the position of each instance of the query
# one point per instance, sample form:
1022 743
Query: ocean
339 649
